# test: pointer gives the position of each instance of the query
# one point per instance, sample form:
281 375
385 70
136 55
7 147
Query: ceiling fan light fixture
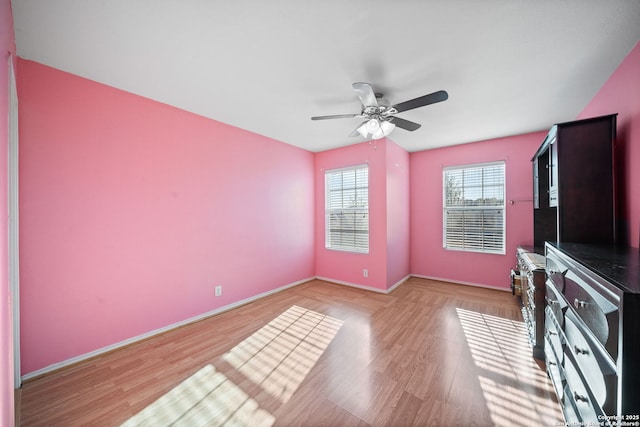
384 129
363 130
387 127
375 128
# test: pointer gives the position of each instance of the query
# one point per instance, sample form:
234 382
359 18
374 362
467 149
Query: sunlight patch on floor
279 356
515 388
207 398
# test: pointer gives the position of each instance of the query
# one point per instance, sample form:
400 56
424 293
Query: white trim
456 282
155 332
352 285
328 210
398 283
13 218
364 287
454 208
474 165
347 168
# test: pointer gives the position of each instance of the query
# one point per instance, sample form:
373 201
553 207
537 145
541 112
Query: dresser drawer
554 367
598 314
553 334
577 394
597 367
556 269
555 302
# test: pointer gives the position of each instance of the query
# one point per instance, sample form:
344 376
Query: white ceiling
510 66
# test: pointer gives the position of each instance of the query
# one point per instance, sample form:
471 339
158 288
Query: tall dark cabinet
574 188
591 317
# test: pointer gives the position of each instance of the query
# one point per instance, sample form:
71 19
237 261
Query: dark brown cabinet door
574 192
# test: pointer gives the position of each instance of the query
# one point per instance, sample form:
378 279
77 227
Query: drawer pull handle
580 397
578 303
552 332
552 363
551 302
579 350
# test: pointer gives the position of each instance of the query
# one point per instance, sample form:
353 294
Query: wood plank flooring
429 353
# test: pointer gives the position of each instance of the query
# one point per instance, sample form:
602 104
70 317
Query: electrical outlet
365 272
218 290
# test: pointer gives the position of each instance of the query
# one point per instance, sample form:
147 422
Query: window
347 204
474 208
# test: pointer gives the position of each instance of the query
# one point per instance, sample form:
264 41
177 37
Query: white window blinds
347 209
474 208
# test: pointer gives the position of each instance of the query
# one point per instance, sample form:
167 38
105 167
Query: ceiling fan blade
366 94
335 116
421 101
404 124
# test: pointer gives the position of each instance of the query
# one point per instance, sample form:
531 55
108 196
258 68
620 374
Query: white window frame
353 234
481 220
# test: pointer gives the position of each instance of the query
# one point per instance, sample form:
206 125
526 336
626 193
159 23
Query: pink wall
388 259
621 94
428 258
398 231
7 44
346 266
131 211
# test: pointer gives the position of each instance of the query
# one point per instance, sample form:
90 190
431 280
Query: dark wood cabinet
574 184
592 329
528 281
591 342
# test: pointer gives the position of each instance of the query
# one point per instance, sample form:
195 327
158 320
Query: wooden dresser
592 331
528 281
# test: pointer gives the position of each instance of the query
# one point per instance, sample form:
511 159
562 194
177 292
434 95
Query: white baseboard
94 353
398 283
364 287
457 282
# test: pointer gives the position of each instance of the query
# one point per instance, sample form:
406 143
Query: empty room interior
320 214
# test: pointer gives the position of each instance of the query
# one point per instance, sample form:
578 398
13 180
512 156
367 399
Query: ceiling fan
380 117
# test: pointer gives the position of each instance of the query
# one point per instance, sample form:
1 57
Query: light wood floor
430 353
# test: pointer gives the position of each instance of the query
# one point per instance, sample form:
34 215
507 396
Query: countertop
618 264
